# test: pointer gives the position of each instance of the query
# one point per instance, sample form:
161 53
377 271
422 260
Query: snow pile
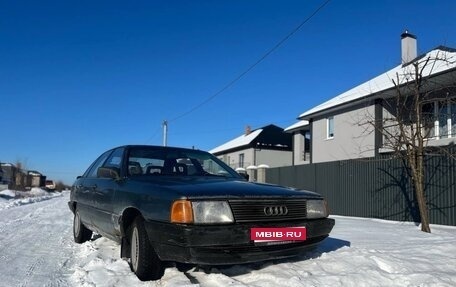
99 264
12 198
6 194
35 191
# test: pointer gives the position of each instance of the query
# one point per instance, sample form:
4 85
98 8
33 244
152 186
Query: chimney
408 46
248 130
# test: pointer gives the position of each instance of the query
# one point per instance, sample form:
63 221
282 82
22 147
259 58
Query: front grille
254 210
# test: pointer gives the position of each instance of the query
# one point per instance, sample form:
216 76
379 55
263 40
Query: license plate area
278 235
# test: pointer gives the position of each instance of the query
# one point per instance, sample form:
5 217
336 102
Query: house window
330 127
439 119
443 118
241 160
305 147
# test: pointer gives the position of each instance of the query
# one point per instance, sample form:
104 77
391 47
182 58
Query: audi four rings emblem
275 210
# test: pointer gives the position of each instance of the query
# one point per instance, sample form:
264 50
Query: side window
92 172
115 159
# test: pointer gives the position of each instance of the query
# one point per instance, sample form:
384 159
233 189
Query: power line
155 134
254 126
251 67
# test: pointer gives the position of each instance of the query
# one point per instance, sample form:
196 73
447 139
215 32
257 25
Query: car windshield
159 161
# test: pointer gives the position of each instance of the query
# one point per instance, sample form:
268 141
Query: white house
335 130
268 145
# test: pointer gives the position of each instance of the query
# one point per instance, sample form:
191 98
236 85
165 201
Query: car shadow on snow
330 244
95 236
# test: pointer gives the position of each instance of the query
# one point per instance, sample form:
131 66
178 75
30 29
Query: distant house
8 173
268 145
2 184
18 179
332 131
35 179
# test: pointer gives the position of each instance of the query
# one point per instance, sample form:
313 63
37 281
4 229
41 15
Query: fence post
251 171
261 172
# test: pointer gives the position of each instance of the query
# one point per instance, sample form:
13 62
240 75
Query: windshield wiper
216 175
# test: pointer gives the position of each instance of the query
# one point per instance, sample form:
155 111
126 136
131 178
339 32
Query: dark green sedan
183 205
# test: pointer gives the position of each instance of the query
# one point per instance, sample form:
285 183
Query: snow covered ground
37 249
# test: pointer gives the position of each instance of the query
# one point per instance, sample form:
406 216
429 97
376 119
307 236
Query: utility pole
165 133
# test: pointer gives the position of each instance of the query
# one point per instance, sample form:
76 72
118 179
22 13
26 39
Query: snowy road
36 243
36 249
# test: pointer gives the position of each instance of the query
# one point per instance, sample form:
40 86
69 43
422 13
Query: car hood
208 187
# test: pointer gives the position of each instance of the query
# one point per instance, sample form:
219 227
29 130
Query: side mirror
108 172
244 175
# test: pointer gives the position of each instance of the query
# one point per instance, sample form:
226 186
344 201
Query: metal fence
376 187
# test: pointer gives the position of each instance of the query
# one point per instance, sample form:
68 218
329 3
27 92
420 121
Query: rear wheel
144 261
80 233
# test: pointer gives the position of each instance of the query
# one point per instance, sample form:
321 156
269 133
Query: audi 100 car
165 204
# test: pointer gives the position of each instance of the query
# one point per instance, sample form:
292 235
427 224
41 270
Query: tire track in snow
30 271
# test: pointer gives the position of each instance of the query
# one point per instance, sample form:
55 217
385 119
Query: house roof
34 172
297 126
270 137
445 60
237 142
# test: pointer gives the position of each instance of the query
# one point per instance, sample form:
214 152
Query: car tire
81 233
144 262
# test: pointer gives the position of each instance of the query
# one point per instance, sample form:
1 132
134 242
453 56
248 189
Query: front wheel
80 233
144 261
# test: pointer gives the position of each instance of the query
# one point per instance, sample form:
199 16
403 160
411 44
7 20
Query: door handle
93 186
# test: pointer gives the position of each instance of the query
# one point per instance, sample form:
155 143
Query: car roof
158 147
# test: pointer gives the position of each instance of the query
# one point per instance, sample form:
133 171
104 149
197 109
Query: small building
35 179
18 179
269 145
2 184
8 173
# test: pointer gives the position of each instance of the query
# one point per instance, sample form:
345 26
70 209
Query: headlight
201 212
212 212
316 209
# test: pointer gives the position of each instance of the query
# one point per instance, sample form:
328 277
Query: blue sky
80 77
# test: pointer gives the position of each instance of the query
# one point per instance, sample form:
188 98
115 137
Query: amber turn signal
181 212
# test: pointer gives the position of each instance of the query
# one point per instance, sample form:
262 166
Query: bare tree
409 123
20 164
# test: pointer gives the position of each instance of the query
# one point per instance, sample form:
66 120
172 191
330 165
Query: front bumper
228 244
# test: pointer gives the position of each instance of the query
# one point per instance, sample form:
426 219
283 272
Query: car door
84 190
102 193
